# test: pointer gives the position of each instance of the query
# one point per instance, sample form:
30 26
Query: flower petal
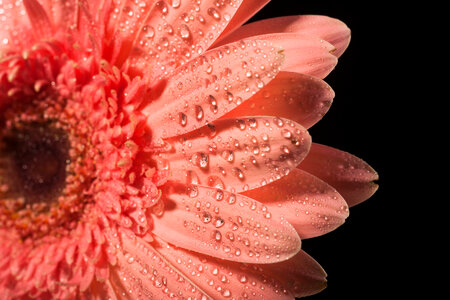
313 207
211 85
224 225
350 176
173 34
304 54
331 30
13 26
301 274
247 10
141 273
224 279
42 28
238 154
297 97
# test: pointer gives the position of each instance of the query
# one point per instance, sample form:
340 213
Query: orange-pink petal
177 31
42 28
349 175
301 98
224 225
247 10
224 279
237 154
211 85
14 26
331 30
302 275
312 206
142 273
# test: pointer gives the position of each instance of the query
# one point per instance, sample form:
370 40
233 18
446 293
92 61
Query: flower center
47 166
37 157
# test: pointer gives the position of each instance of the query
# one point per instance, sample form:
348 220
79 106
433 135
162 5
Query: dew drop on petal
214 13
182 119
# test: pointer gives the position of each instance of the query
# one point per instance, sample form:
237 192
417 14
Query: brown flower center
47 166
37 156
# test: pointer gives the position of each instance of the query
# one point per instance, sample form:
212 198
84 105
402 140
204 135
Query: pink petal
38 18
247 10
313 207
304 54
211 85
350 176
14 28
224 279
298 97
175 33
301 274
142 273
238 154
224 225
331 30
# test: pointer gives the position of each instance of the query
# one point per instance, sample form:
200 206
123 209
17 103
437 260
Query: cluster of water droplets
214 84
239 154
232 226
170 32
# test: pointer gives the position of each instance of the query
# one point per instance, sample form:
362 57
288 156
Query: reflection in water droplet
182 119
214 13
217 235
219 222
192 191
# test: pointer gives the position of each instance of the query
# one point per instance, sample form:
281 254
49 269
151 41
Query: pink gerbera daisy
157 148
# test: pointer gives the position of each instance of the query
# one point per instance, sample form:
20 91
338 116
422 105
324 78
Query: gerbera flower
153 149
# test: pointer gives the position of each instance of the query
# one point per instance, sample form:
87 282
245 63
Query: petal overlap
301 98
224 225
237 154
211 85
311 205
177 31
352 177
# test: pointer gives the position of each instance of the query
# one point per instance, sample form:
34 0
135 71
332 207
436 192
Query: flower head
153 149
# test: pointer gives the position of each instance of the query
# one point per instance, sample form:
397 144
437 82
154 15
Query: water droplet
219 222
229 97
284 149
198 112
252 123
219 195
279 122
217 235
192 191
149 32
215 181
206 218
213 103
228 155
192 177
214 13
182 119
240 124
162 6
232 199
175 3
265 147
238 173
185 33
286 133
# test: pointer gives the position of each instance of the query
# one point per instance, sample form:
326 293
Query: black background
362 258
